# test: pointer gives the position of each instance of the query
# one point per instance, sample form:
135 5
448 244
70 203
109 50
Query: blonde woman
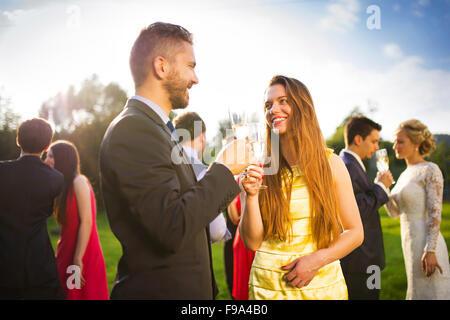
417 200
307 218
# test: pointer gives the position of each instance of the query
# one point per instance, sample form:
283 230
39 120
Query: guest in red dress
243 258
79 244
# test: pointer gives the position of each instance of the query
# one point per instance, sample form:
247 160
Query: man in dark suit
155 206
361 141
27 189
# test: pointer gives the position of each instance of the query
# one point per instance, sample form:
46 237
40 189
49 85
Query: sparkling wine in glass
257 139
238 119
382 160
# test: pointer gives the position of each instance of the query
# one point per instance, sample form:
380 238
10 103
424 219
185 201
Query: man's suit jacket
27 190
369 197
157 209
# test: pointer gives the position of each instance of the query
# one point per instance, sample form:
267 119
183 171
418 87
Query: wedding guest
242 257
307 219
28 188
155 205
228 250
192 130
361 141
76 212
417 199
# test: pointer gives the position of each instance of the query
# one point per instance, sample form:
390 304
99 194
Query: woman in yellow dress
307 218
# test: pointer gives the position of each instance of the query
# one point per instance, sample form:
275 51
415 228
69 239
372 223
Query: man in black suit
27 189
361 141
155 206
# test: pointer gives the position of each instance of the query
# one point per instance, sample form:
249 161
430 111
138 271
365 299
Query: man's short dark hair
359 125
158 39
187 121
34 135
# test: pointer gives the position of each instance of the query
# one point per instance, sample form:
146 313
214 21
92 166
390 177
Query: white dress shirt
159 111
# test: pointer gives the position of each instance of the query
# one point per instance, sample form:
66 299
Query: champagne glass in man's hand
238 119
236 155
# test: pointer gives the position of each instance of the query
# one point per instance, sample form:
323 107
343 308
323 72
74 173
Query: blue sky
403 68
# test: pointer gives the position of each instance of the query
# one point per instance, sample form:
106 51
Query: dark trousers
357 287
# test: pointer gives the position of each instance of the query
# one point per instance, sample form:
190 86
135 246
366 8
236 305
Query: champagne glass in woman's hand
257 139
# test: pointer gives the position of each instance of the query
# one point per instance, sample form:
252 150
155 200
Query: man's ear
161 67
358 140
17 142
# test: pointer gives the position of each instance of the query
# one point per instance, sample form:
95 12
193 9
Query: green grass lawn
393 277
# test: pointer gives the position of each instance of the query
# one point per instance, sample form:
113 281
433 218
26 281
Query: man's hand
385 178
236 155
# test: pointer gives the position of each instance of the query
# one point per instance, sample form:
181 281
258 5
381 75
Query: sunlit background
393 68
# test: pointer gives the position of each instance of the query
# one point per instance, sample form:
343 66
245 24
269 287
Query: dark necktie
169 124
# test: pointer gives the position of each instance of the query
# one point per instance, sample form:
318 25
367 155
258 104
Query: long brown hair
67 161
307 145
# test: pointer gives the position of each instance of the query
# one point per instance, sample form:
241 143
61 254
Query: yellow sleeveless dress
266 276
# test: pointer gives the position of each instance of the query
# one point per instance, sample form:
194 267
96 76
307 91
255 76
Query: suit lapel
157 119
149 112
361 171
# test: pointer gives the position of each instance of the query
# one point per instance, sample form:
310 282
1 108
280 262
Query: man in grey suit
156 207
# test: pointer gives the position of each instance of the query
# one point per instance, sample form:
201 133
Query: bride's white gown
417 199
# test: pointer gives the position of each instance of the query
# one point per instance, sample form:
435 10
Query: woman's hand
251 178
429 263
79 263
303 269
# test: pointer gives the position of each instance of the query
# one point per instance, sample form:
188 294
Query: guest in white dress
417 200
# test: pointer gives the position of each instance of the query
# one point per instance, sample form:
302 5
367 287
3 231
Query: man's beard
176 88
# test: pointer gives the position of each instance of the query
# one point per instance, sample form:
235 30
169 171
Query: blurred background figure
242 257
195 144
76 212
28 188
417 200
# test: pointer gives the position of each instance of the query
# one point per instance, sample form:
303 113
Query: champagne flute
257 139
238 119
382 160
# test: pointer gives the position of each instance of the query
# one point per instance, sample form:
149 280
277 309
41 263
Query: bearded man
156 207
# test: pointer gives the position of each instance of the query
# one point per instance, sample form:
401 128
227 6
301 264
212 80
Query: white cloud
393 51
406 90
342 15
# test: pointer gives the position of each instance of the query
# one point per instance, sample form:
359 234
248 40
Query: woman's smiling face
277 108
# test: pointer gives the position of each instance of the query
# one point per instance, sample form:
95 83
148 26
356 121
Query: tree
82 117
337 141
441 156
9 121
